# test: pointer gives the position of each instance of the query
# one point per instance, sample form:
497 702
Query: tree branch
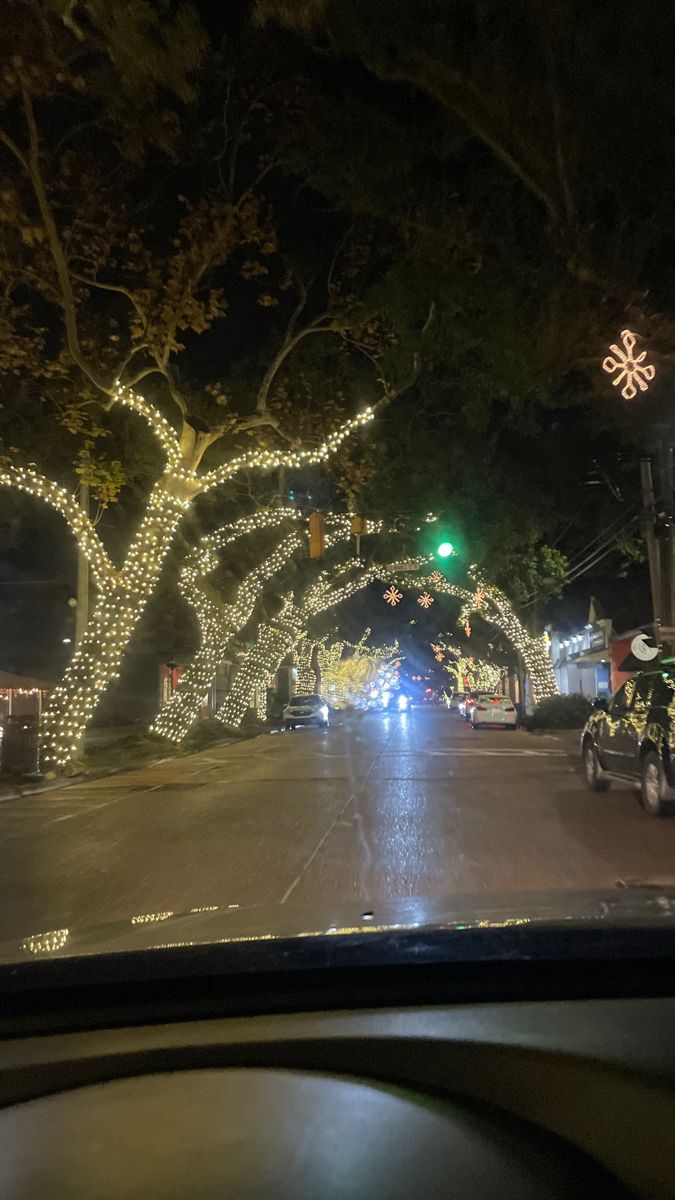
287 348
67 298
23 479
12 146
268 460
158 423
113 287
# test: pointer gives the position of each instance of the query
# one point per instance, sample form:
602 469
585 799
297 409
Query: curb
53 785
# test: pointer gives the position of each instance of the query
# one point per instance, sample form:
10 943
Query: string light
305 682
345 679
268 460
278 638
123 592
219 624
24 479
495 607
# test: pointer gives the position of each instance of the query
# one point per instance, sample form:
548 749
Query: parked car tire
593 773
289 725
512 728
654 785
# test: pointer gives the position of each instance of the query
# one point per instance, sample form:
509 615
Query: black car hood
489 927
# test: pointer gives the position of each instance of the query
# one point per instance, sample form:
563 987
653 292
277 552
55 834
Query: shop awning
591 659
25 683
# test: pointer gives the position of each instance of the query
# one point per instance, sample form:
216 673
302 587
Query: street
375 808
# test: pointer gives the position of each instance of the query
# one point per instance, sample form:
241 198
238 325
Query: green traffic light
445 549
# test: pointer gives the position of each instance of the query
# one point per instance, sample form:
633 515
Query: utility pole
658 494
82 610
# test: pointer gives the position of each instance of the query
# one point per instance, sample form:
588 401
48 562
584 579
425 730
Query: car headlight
402 702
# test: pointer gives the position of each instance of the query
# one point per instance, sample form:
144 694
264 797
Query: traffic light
317 535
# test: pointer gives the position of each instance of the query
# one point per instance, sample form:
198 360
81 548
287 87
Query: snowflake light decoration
435 577
467 629
393 596
439 657
425 600
630 366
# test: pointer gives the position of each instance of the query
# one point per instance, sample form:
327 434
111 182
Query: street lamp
445 550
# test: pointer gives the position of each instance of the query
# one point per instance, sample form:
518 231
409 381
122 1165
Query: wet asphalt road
375 808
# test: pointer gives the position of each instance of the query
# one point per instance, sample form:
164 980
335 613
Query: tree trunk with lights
278 638
121 598
123 592
305 663
220 623
263 660
491 603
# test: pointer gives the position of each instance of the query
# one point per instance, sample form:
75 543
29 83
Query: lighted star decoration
629 365
435 577
393 596
425 600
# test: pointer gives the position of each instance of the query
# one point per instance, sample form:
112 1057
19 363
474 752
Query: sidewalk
110 750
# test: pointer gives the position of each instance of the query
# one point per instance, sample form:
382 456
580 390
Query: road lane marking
506 751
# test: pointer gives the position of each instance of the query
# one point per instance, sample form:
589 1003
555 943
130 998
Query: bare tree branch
67 298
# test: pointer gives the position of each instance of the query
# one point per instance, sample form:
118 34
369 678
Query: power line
575 573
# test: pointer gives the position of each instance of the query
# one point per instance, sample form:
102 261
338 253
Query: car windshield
336 456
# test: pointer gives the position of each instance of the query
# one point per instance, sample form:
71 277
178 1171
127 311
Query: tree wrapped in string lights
482 675
350 678
278 638
119 272
218 622
305 663
496 609
124 591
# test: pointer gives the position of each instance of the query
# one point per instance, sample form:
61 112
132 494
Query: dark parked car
633 738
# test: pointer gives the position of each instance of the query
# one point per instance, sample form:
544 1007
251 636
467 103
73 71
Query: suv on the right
633 739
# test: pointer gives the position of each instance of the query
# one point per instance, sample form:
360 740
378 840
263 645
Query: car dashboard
366 1074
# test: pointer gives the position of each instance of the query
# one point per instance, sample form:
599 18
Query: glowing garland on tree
124 591
305 683
345 678
219 623
482 674
494 606
278 638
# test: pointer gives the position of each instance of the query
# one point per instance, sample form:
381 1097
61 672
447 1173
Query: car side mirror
600 704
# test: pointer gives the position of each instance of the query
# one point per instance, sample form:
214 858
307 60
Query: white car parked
306 710
494 710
